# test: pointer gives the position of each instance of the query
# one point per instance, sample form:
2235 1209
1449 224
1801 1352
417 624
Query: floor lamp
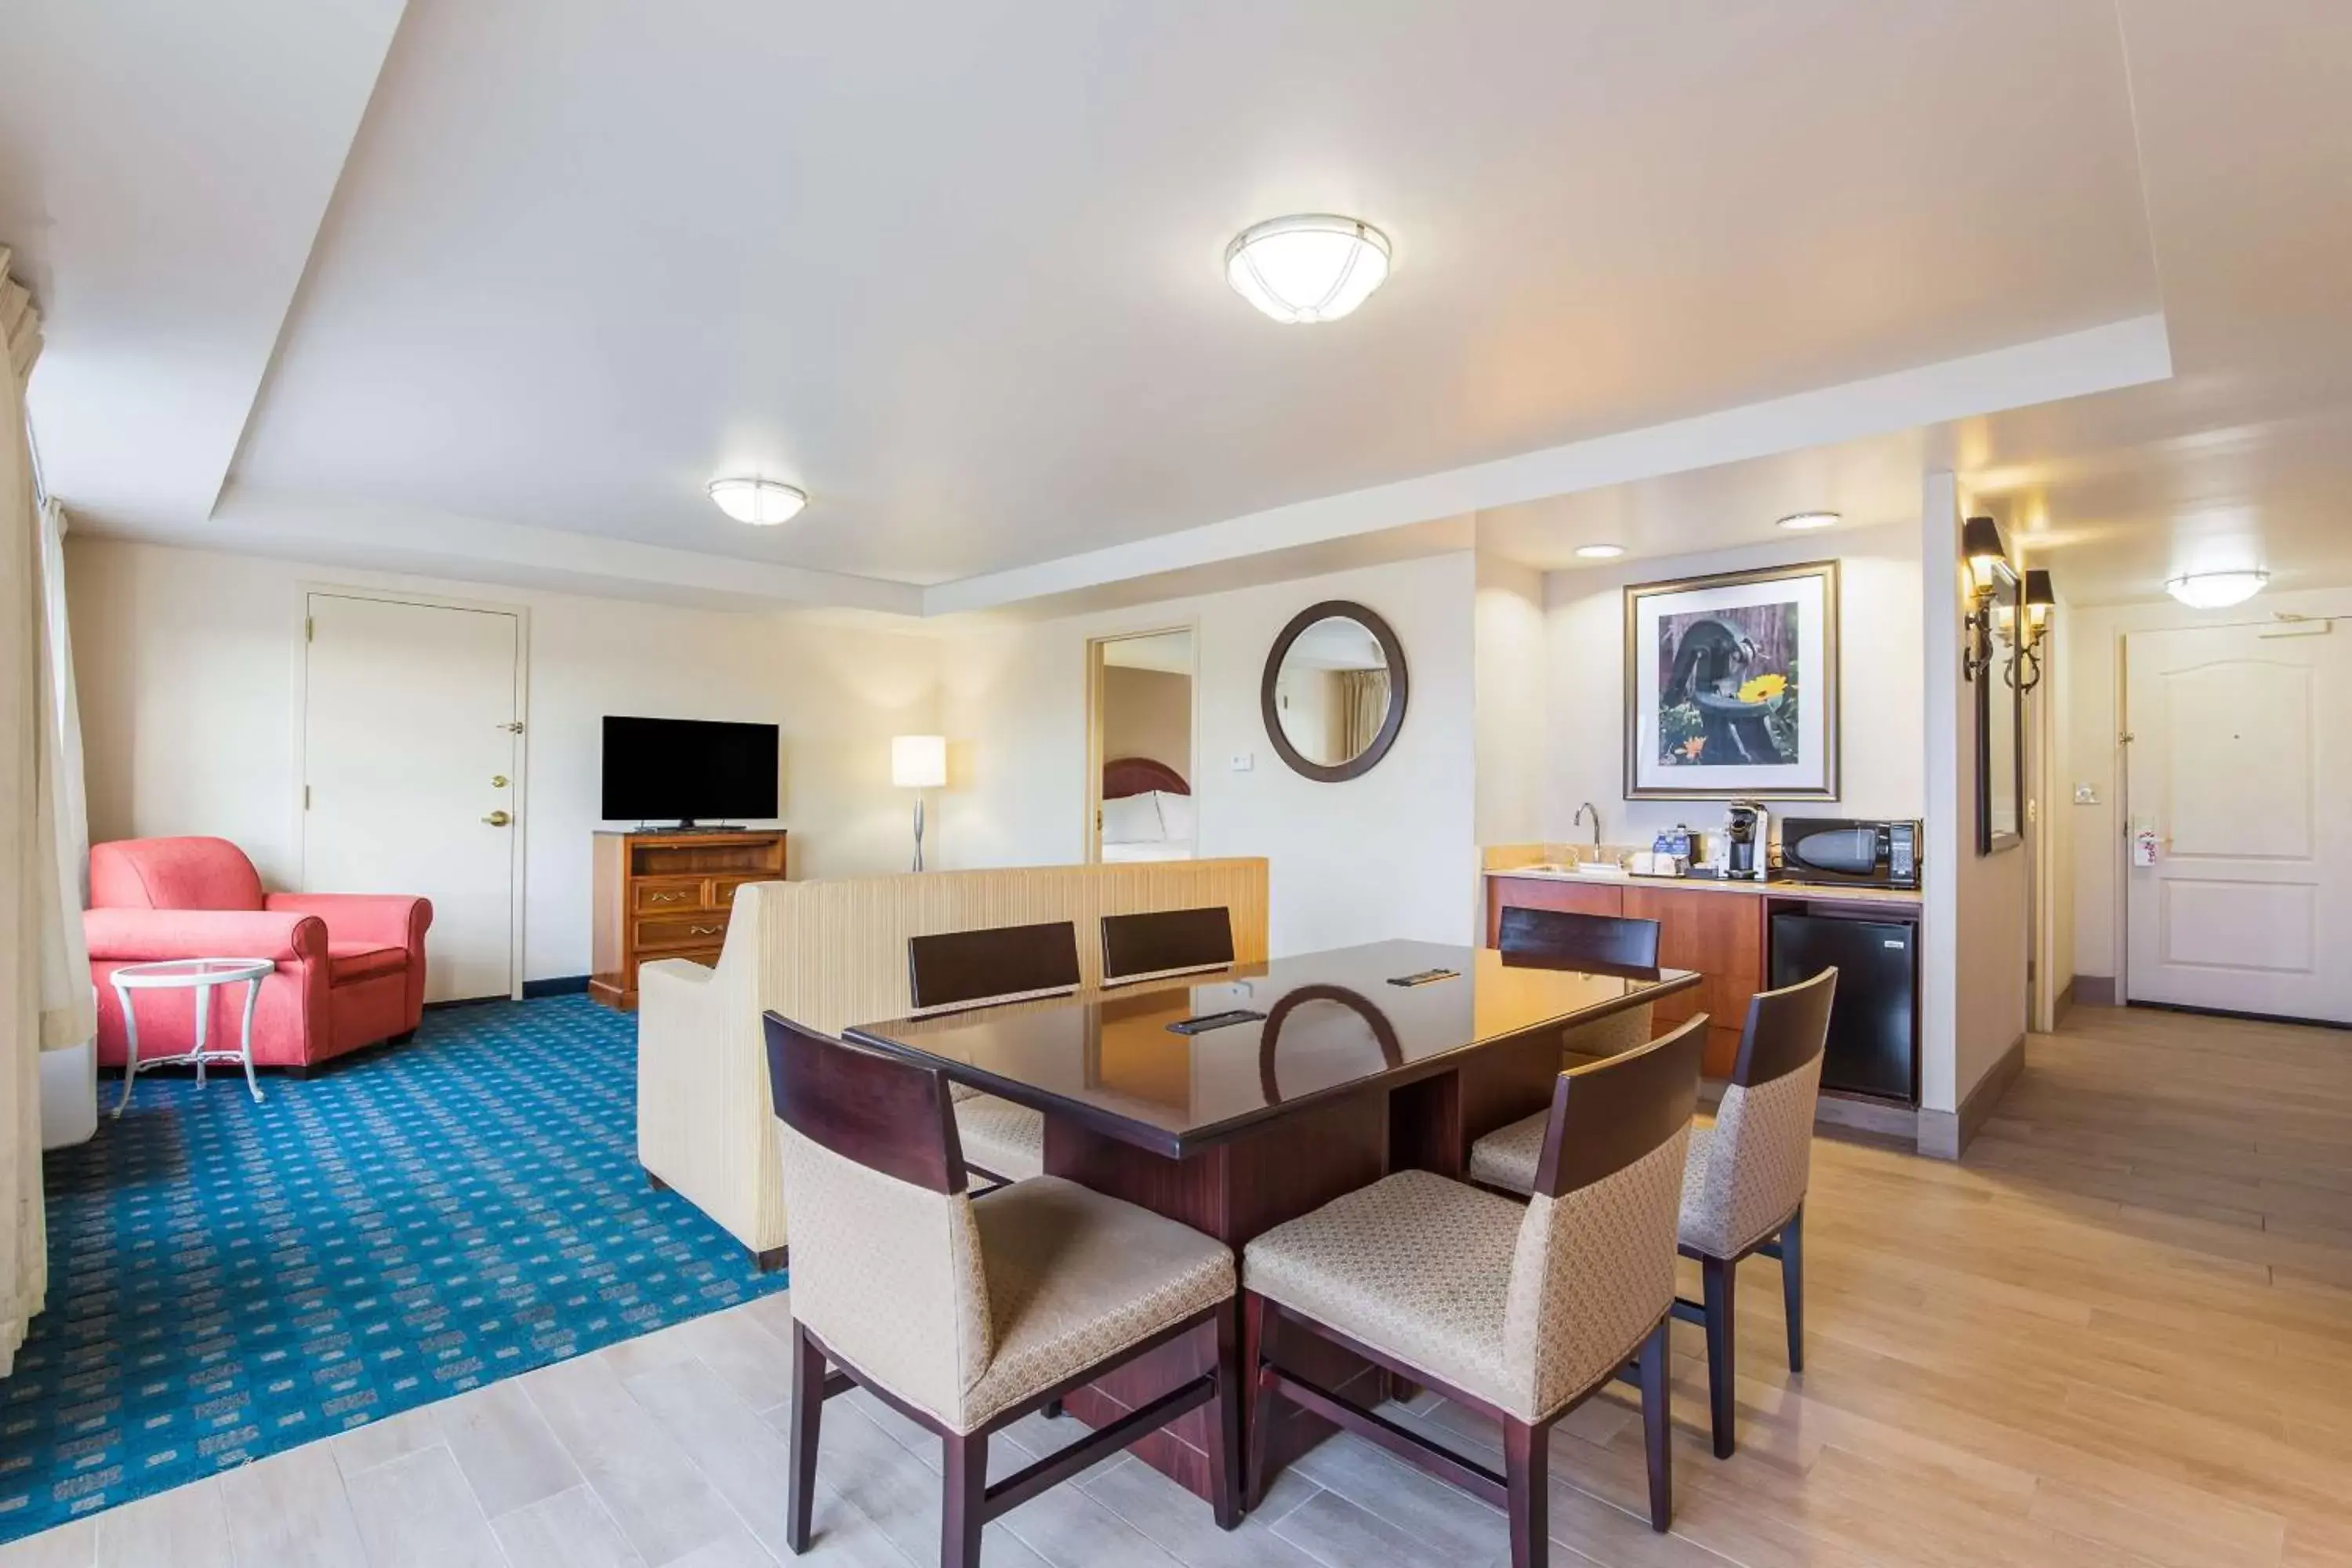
918 763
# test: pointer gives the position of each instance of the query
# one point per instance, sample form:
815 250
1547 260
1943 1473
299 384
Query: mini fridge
1874 1045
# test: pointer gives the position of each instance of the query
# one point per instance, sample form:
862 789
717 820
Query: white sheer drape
68 1020
30 896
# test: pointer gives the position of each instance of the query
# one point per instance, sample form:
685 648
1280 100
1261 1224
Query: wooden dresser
667 895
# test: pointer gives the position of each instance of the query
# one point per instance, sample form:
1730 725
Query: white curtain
38 1001
69 1018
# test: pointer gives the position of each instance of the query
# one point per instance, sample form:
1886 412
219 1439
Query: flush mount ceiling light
763 503
1600 552
1313 268
2216 590
1798 521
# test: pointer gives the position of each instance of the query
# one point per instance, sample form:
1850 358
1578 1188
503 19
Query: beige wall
1148 713
1883 721
187 664
1976 913
1390 854
1513 686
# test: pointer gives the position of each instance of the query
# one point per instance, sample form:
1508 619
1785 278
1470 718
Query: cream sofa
829 954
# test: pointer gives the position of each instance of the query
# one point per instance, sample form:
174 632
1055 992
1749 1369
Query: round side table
199 974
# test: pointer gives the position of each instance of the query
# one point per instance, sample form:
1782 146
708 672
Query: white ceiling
955 271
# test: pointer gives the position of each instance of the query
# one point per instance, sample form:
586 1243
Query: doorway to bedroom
1140 766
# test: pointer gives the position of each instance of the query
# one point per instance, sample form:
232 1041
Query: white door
410 749
2240 739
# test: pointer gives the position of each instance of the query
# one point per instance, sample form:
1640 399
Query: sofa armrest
703 1121
144 936
391 920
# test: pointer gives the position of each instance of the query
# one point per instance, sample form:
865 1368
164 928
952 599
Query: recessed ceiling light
1314 268
2216 590
763 503
1798 521
1601 552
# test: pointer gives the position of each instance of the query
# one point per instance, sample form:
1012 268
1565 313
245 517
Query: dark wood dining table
1338 1075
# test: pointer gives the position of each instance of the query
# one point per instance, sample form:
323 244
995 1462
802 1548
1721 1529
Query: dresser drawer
667 934
671 897
722 888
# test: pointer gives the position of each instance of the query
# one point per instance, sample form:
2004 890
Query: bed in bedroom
1147 811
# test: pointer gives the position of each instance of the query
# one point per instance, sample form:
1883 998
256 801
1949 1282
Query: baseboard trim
2091 991
1946 1134
2062 1005
1836 1113
555 986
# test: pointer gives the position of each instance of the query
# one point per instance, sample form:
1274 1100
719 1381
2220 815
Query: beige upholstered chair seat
1414 1265
1507 1157
1001 1138
1073 1277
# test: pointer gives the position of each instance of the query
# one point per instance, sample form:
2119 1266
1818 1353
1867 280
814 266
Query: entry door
2238 745
410 749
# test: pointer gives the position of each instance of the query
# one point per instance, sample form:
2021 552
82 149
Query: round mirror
1334 691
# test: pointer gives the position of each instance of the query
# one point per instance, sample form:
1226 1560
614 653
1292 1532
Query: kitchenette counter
1773 889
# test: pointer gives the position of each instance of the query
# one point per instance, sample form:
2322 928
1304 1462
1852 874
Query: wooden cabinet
667 895
1548 893
1720 934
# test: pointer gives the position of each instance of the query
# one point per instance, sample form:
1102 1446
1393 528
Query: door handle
497 819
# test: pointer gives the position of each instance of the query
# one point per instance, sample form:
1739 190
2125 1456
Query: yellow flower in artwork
1763 688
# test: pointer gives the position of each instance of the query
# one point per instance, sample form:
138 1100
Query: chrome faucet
1594 811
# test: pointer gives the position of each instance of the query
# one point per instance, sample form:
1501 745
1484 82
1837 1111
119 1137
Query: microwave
1845 851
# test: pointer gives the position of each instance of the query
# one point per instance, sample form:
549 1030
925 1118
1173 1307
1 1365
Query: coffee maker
1746 826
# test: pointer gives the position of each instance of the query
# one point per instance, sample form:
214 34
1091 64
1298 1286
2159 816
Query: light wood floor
2119 1333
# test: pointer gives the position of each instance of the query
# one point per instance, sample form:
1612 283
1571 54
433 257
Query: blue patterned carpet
227 1279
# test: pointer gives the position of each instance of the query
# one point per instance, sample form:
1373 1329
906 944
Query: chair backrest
1574 941
887 1266
1166 941
172 874
1001 964
1760 1157
1594 1270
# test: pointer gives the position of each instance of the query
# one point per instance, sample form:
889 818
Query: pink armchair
350 966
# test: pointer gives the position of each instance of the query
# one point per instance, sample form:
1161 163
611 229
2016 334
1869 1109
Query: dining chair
951 970
1159 942
1744 1188
1603 944
963 1316
1519 1311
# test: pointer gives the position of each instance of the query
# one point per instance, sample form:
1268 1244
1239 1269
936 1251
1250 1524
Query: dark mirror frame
1999 673
1390 649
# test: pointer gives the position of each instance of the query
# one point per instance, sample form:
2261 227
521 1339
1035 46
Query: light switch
2087 795
1242 762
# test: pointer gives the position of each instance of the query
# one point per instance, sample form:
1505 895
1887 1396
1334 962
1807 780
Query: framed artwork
1731 686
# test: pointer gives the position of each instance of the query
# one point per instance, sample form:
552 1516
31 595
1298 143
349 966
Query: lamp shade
919 761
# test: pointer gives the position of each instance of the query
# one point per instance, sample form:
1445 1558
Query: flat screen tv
688 771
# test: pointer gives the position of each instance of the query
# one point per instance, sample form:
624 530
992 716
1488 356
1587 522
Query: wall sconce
1981 541
2040 603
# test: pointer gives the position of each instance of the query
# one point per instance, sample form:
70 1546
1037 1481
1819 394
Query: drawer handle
705 931
667 898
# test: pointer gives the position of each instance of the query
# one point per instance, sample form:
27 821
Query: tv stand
667 893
